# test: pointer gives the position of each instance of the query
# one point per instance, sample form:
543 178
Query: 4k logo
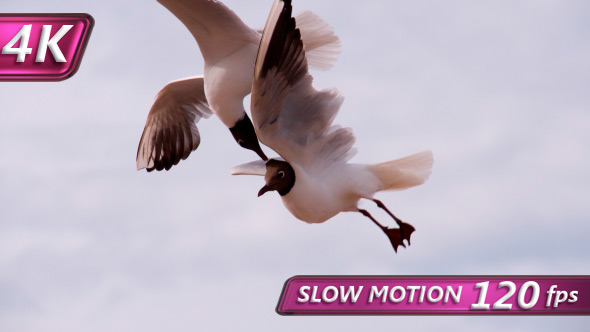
24 34
28 39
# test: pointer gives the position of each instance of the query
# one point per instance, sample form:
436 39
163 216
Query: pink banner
42 47
435 295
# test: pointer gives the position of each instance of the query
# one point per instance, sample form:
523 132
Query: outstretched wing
289 115
170 132
216 28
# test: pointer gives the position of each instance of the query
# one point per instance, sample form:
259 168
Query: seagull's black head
280 176
244 133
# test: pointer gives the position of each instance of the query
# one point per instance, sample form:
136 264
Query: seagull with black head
313 177
229 48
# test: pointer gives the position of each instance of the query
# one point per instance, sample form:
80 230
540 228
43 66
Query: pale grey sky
498 90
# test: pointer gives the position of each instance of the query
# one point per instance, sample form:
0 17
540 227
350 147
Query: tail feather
404 173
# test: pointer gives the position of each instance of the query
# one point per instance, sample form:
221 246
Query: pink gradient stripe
72 45
426 295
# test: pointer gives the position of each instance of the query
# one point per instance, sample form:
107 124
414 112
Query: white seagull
229 49
315 180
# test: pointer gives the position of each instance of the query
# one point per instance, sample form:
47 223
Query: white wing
321 44
216 28
170 132
289 115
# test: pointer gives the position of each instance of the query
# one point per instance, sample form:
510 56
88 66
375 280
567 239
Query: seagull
313 176
229 48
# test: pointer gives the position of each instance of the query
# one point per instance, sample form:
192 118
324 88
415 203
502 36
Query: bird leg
395 235
405 229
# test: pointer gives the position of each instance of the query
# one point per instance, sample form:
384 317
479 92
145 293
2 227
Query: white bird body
316 198
319 194
228 81
229 48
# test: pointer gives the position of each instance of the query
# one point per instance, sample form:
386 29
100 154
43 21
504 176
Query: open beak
263 190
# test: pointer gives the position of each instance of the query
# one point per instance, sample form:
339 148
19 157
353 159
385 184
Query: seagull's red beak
263 190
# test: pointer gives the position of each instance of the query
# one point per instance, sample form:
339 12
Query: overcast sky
498 90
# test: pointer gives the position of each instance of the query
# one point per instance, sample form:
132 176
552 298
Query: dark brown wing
170 132
289 115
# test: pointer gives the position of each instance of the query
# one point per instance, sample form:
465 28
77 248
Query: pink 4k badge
42 47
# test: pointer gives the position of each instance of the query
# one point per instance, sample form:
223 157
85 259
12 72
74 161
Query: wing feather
322 45
289 115
216 28
170 132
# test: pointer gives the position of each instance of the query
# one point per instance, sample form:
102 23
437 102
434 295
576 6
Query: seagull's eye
241 143
281 174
